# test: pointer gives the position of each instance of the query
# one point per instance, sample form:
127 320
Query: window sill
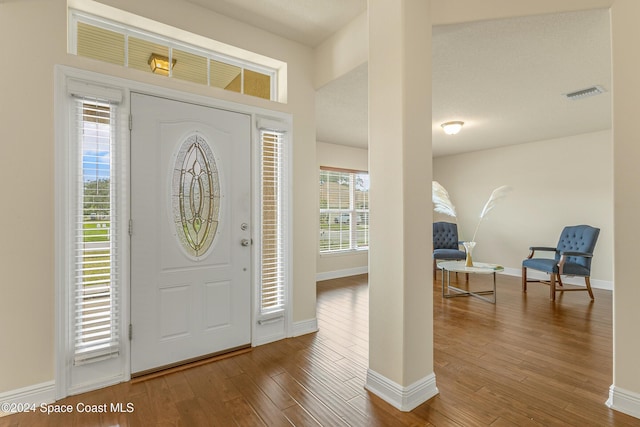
344 252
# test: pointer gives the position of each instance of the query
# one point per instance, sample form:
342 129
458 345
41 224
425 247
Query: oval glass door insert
195 195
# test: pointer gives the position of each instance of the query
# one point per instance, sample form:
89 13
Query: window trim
72 378
277 324
101 84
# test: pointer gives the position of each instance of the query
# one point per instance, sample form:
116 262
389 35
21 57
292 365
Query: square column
400 169
624 394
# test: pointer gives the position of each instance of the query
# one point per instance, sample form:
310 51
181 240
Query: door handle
245 242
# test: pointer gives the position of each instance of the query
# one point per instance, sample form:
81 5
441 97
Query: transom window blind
117 43
344 209
95 306
274 220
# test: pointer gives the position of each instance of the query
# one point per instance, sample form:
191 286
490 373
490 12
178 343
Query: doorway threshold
188 364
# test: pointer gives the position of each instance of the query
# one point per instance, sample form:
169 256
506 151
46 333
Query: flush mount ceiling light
160 64
452 128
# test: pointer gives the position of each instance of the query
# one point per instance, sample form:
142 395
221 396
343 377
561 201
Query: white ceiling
504 78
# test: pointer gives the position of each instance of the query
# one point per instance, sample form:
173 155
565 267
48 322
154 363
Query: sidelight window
96 319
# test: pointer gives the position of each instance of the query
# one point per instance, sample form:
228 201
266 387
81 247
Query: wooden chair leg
552 287
560 280
524 279
588 283
434 269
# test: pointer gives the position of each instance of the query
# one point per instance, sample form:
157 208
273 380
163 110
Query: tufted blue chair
573 256
445 243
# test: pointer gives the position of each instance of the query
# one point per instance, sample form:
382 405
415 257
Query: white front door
190 242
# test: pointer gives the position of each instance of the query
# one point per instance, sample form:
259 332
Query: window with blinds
274 220
95 247
344 210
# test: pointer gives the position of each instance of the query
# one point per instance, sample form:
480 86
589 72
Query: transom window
130 47
344 210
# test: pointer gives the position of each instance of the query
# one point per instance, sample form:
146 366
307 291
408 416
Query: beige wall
626 156
457 11
566 181
341 156
33 38
343 51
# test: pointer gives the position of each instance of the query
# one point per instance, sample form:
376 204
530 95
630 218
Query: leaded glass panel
195 195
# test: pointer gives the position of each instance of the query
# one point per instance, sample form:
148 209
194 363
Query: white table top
478 267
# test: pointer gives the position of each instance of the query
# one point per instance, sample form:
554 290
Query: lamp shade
452 128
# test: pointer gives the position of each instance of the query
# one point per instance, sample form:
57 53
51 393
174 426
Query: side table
459 267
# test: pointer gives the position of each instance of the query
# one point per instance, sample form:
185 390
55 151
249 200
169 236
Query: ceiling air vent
584 93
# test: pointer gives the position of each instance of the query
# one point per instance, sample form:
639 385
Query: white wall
566 181
33 38
340 156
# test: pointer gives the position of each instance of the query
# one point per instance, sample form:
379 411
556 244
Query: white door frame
62 75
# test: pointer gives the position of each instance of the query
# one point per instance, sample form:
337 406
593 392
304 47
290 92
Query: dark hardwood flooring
522 362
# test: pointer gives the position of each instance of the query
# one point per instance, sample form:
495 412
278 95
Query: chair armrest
542 248
533 249
565 254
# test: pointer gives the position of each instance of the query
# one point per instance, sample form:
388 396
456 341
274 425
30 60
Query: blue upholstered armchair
573 256
445 243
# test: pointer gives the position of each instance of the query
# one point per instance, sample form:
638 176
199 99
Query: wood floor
522 362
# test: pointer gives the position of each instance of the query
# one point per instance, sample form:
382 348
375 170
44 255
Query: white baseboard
36 394
624 401
402 398
304 327
328 275
578 281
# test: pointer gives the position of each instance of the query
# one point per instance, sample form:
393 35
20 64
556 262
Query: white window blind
274 222
95 305
344 210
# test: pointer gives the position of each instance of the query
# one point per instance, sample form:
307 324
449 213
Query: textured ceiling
307 21
503 77
342 110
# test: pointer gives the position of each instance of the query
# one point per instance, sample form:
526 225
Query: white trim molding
37 394
624 401
328 275
304 327
402 398
65 384
578 281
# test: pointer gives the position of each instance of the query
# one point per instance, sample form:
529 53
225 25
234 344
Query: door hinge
130 331
130 227
130 122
